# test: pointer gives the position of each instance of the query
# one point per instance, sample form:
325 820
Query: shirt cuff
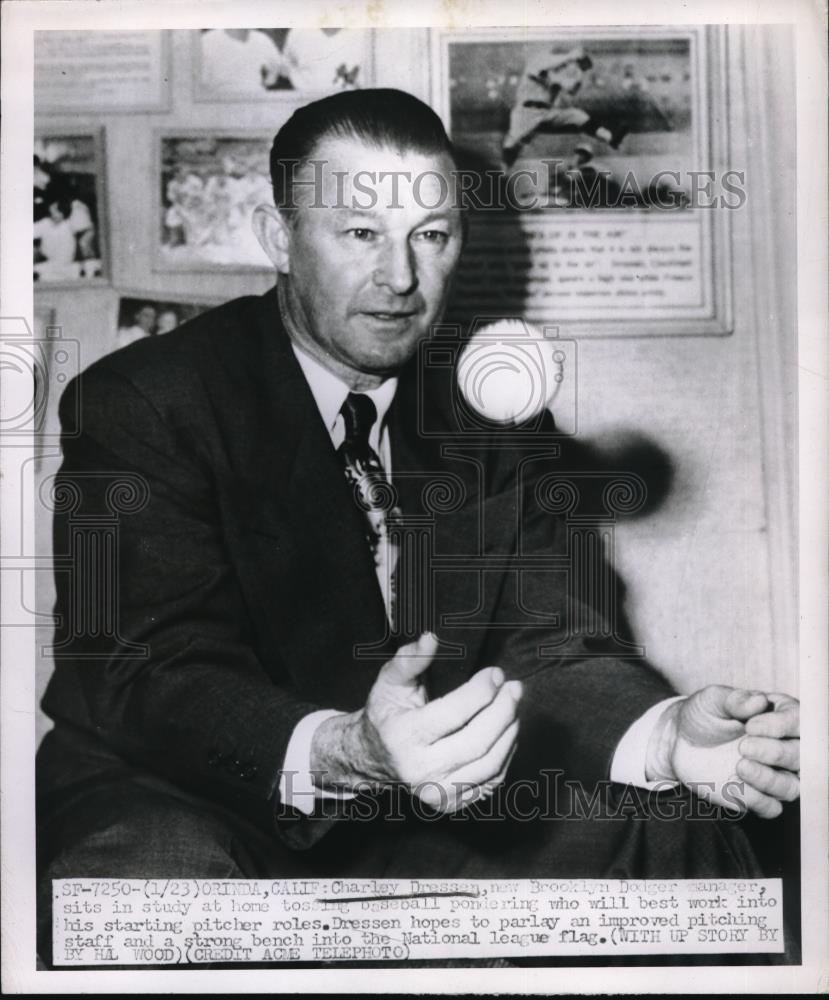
628 767
296 783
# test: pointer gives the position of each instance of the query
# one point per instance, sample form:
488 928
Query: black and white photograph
604 109
605 135
415 579
244 63
209 184
146 316
67 198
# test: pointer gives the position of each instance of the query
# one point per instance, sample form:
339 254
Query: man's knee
136 832
125 830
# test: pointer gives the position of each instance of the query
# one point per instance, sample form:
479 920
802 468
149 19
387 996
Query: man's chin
388 360
387 368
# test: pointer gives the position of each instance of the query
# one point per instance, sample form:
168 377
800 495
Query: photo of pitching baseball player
543 103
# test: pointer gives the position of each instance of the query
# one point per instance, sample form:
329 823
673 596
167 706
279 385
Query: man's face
145 318
368 275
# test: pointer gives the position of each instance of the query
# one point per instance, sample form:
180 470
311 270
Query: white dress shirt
329 392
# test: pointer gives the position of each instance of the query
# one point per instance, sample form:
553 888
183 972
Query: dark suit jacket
244 593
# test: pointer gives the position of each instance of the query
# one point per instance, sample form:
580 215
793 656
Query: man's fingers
782 785
493 783
478 736
763 805
473 782
775 753
784 702
468 792
741 704
409 662
484 769
783 722
453 711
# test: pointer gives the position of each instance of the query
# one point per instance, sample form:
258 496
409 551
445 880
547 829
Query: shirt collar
329 392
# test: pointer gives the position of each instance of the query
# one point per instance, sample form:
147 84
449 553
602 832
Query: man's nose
397 270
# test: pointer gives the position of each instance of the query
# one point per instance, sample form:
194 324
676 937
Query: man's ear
274 235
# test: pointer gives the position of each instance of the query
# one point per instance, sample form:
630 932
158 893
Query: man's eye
433 236
362 234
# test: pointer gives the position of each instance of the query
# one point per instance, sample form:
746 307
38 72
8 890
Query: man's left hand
735 748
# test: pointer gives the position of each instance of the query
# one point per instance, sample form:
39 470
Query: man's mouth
396 315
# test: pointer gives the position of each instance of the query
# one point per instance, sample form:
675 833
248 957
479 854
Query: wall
710 574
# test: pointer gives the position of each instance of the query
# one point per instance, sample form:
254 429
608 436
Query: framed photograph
209 184
248 63
599 151
69 232
146 315
117 71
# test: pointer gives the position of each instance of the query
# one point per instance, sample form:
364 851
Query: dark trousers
130 824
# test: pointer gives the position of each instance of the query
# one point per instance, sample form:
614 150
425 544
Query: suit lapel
320 602
328 601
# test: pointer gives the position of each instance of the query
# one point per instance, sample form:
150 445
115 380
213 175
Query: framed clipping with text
69 231
243 64
116 71
592 156
209 183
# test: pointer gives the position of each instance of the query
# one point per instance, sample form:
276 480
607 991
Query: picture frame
598 146
71 245
267 64
102 71
132 319
208 183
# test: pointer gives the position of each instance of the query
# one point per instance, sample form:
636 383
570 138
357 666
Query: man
167 320
144 321
57 237
311 668
542 103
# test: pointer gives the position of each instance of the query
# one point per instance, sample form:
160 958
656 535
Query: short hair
378 117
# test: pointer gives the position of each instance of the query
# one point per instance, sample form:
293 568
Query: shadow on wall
629 452
594 462
623 451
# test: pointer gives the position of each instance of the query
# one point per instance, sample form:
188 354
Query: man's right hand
448 752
